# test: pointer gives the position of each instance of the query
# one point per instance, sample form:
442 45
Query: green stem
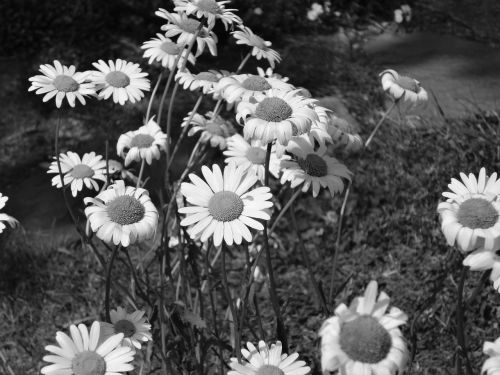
153 94
367 143
284 210
108 281
143 162
243 62
460 324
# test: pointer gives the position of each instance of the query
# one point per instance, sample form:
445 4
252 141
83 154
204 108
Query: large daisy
214 129
313 168
260 47
222 206
470 216
402 87
134 327
61 82
210 9
122 214
491 365
363 338
81 355
79 171
121 79
482 260
276 115
164 50
268 361
4 218
206 81
186 28
144 143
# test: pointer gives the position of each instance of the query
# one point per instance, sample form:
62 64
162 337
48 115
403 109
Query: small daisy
276 115
470 216
133 326
313 168
210 9
164 50
122 214
260 47
491 365
4 218
81 355
61 82
79 171
252 155
223 206
268 361
402 87
146 143
124 80
213 130
482 260
363 338
206 81
242 87
187 28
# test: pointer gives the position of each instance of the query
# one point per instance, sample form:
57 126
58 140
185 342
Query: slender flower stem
367 143
152 98
284 210
106 144
461 340
108 281
243 62
143 162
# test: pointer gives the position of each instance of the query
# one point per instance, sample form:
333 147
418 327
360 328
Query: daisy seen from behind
223 205
134 327
260 47
206 81
165 51
4 218
470 215
122 80
268 361
61 82
80 354
122 214
78 172
210 9
214 130
145 143
402 88
364 338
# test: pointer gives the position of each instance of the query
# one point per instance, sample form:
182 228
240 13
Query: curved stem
367 143
153 94
108 281
460 323
284 210
243 62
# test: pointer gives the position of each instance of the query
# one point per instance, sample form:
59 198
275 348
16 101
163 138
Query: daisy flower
4 218
210 9
492 349
252 155
276 115
205 81
343 134
187 28
144 143
61 82
223 206
81 355
363 338
122 214
313 168
402 87
260 47
470 216
164 50
268 361
269 73
123 173
133 327
124 80
78 171
482 260
214 130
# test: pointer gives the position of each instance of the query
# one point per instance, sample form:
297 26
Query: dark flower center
65 83
210 6
269 370
126 327
125 210
225 206
256 155
365 340
477 213
314 165
273 110
117 79
82 171
407 83
88 363
256 83
206 76
142 141
170 47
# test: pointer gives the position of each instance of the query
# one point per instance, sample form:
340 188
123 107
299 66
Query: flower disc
142 141
88 363
65 83
477 213
314 165
125 210
82 171
269 370
273 110
117 79
256 83
225 206
126 327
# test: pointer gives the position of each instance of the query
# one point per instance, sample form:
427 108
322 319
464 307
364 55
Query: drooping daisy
61 82
482 260
313 167
4 218
122 214
363 338
164 50
470 216
260 47
124 80
78 171
187 28
223 207
206 81
268 361
242 87
252 155
402 87
276 115
146 143
214 130
133 326
81 355
492 349
210 9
